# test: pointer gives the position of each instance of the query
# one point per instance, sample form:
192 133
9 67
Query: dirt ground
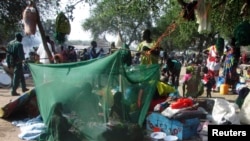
9 132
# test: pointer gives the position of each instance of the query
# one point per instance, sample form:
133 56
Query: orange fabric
58 58
182 103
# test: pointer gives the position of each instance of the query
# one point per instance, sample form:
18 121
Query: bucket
224 89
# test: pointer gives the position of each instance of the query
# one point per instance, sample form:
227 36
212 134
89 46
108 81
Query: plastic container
224 89
184 129
155 136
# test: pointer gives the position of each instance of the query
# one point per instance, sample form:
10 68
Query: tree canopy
129 17
11 15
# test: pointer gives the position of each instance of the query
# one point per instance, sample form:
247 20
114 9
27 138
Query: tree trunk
42 32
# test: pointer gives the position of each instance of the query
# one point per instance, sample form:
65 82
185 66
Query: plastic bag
164 89
244 113
225 112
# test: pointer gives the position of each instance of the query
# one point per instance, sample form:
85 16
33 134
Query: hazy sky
77 33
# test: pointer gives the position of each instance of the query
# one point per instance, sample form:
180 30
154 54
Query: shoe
24 90
15 94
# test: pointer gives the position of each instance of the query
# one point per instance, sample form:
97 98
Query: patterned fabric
213 59
228 64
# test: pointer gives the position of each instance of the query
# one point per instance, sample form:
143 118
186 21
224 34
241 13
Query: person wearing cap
14 59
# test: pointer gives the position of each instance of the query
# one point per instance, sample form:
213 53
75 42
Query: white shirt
161 53
43 55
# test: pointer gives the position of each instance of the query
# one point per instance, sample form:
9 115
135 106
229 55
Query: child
208 80
186 77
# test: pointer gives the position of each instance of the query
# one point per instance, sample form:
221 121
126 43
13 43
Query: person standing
149 53
52 43
72 56
162 56
65 54
93 52
192 86
214 54
230 67
126 55
14 59
44 58
84 55
112 48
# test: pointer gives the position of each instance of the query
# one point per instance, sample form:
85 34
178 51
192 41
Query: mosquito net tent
96 100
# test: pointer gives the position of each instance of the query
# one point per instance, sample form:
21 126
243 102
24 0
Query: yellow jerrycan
224 89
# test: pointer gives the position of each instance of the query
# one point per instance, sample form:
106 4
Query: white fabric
43 55
244 113
157 107
240 86
213 65
213 52
161 53
31 129
242 80
5 79
202 15
169 112
224 110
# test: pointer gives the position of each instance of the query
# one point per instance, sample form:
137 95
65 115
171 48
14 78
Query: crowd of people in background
210 60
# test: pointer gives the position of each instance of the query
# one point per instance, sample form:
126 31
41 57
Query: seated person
87 104
119 111
60 127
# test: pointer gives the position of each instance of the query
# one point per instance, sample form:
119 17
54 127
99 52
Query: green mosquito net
96 100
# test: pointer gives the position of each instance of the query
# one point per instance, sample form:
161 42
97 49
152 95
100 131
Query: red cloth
182 103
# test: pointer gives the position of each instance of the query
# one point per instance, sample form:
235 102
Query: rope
171 28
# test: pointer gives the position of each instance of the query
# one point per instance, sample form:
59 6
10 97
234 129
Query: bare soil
9 132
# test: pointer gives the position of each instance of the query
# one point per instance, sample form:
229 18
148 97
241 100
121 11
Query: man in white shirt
43 54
